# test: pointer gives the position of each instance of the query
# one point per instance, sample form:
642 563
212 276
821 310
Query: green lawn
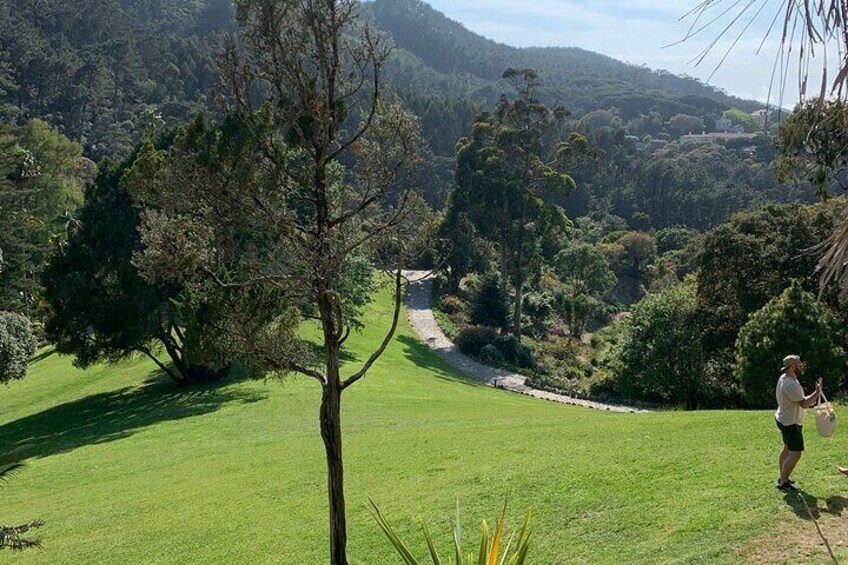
126 469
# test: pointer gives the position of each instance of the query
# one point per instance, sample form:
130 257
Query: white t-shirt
789 395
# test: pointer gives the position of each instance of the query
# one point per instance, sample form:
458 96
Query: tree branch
167 370
308 373
389 336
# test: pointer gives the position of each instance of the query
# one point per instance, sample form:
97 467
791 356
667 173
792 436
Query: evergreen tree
792 323
101 309
489 306
661 358
41 178
17 345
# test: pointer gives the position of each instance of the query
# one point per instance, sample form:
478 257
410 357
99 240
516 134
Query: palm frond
11 537
9 470
809 29
833 265
11 462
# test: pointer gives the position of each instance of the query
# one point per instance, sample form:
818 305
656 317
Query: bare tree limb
389 335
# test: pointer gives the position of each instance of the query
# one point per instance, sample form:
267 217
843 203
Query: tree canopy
100 307
17 345
41 178
792 323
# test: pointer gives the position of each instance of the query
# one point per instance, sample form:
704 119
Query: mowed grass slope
127 469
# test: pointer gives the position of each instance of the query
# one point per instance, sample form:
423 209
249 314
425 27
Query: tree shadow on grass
113 415
42 355
833 505
422 356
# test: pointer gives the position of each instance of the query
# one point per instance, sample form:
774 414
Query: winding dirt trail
424 323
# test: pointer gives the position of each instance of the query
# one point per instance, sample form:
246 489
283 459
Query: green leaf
399 546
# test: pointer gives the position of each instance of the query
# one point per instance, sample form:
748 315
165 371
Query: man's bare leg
789 465
783 455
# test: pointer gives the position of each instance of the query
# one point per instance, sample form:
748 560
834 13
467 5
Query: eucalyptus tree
507 177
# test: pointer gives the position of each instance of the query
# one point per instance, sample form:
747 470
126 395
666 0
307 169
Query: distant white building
697 139
762 114
710 138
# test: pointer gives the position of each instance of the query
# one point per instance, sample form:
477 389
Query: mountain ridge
575 74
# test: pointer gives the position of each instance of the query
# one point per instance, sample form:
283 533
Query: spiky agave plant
491 543
11 537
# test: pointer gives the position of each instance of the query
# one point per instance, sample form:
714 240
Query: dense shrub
514 352
574 387
793 323
17 345
674 239
446 325
752 258
489 305
562 348
572 371
605 313
576 311
661 358
473 339
450 304
491 355
538 309
631 253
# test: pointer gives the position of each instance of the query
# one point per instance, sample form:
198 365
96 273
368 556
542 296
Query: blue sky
635 31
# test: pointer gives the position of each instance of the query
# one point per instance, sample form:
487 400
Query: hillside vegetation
192 193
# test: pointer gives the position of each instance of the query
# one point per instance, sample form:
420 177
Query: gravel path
424 324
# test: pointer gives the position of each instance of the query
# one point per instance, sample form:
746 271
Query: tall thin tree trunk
504 278
331 433
519 301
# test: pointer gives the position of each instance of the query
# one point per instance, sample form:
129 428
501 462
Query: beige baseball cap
791 360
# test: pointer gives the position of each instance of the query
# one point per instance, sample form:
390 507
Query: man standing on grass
791 403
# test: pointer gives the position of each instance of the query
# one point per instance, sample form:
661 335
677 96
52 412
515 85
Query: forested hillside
106 73
103 69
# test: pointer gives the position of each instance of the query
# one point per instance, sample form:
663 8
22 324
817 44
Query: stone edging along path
424 323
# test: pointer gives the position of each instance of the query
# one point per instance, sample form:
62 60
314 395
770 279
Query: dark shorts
793 436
